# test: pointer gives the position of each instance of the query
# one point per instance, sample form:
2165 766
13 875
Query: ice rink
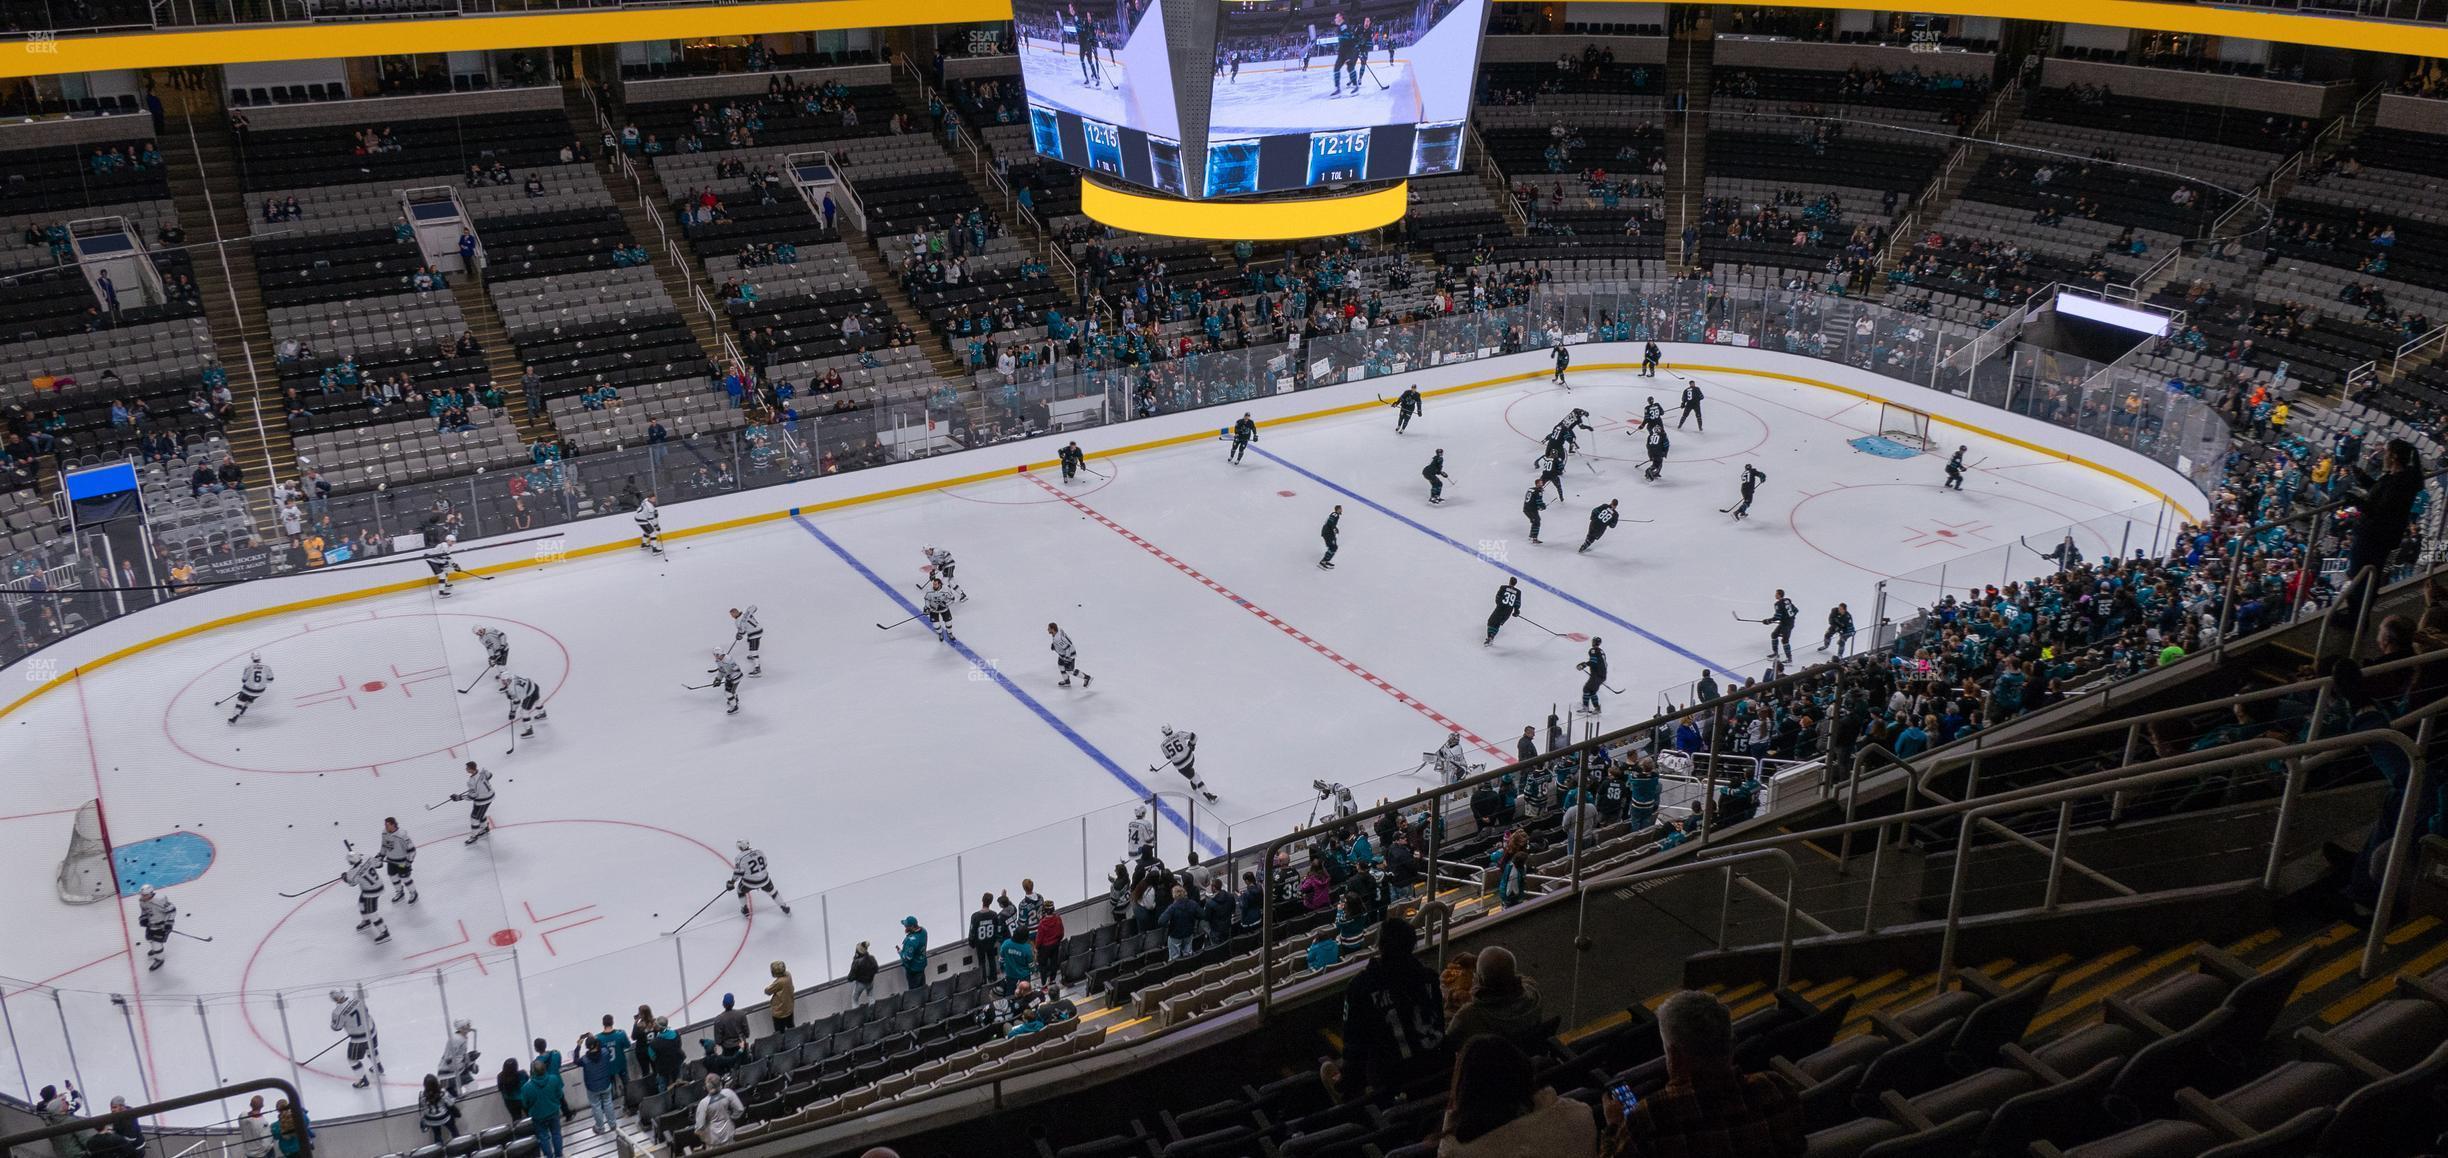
1281 96
886 773
1055 79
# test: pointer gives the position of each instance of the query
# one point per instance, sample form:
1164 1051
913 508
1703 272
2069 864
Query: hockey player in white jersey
1066 657
1140 837
1181 751
748 872
940 565
1451 762
459 1054
744 626
496 645
350 1016
366 874
479 795
726 678
938 604
251 684
524 697
650 525
399 861
438 557
155 914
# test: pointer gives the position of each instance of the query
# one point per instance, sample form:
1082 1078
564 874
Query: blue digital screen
101 481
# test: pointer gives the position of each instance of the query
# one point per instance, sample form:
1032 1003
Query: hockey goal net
87 875
1905 426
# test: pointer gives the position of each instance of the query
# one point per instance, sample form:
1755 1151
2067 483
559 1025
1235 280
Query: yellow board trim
1240 218
174 49
339 597
189 47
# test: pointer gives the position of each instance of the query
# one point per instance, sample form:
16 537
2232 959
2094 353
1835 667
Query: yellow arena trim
202 46
620 545
1237 219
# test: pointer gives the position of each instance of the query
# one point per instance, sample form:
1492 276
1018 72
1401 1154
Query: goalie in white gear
939 609
251 684
496 645
1451 762
524 697
439 558
366 874
726 677
649 524
459 1054
941 566
399 860
155 915
748 872
1140 837
745 627
350 1016
1066 657
1181 751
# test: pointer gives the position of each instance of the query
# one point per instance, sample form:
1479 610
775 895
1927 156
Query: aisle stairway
677 282
204 185
1688 57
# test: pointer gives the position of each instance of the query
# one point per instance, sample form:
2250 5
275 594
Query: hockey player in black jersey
1563 361
1839 630
1780 621
1955 470
1072 458
1508 605
1565 435
1244 432
1533 503
1434 472
1751 479
1406 408
1653 416
1649 360
1596 666
1332 533
1601 517
1658 446
1551 472
1691 406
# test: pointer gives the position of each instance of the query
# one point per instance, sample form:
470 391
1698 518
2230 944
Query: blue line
1507 568
1138 790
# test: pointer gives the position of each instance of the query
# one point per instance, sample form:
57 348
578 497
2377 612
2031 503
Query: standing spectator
641 1046
986 930
862 975
1513 868
913 952
784 996
1393 1020
438 1112
511 1083
290 1128
1017 959
716 1111
1218 906
124 1137
1180 922
1025 914
601 1076
1048 940
254 1131
617 1043
1503 1003
730 1027
669 1056
1706 1107
2385 508
542 1098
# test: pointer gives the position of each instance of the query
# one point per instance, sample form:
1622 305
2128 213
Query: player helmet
339 995
743 846
254 657
356 858
477 630
503 679
462 1025
1139 813
145 891
1168 729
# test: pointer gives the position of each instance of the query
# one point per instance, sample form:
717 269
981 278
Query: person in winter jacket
717 1111
669 1056
1180 922
1503 1004
914 951
1017 960
862 975
784 997
541 1097
601 1076
1498 1110
1393 1019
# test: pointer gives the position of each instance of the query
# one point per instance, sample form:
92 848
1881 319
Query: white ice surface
884 773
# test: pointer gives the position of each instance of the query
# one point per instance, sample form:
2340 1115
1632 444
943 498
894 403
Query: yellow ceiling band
1244 219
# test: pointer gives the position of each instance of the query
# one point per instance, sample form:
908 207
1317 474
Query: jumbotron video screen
1100 88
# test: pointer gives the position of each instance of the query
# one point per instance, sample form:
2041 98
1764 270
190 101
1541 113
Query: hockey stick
695 687
890 626
513 727
700 911
312 888
322 1051
190 936
1540 626
225 699
488 670
450 800
1612 688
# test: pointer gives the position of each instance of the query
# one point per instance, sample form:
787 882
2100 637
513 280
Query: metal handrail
10 1143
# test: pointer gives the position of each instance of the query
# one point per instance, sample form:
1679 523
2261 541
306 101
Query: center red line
1402 697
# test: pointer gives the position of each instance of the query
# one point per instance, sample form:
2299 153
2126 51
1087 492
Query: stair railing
229 285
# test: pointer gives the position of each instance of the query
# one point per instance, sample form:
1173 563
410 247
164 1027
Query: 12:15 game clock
1338 156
